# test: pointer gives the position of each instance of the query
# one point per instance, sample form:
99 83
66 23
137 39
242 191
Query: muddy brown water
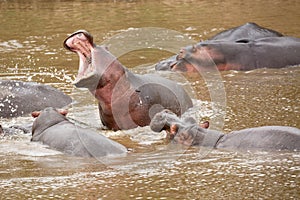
31 49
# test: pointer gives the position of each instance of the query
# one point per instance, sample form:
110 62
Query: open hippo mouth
167 64
81 42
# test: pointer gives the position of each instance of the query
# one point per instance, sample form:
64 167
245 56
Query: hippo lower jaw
89 81
87 77
166 65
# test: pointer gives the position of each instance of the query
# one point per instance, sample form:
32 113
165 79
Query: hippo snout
87 35
165 65
158 122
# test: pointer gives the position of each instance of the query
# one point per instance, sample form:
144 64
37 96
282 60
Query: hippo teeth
89 60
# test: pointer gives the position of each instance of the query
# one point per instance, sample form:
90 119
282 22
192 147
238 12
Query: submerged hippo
13 130
126 100
245 47
248 31
265 138
19 98
52 128
269 52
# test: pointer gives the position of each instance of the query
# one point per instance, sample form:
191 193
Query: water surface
31 49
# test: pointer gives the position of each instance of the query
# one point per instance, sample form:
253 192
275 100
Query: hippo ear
204 124
63 112
35 114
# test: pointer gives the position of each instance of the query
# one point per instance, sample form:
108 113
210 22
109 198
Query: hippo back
77 141
248 31
19 98
56 131
283 51
263 138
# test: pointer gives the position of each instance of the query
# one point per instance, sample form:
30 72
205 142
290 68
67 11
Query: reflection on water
31 49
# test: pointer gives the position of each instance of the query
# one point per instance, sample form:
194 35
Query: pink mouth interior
80 44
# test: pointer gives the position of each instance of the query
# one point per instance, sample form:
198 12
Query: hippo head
175 63
45 119
93 60
185 131
202 56
167 64
163 120
190 135
194 135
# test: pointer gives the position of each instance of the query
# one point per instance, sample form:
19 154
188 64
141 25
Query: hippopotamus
126 100
246 32
268 52
240 48
188 132
15 129
19 98
51 127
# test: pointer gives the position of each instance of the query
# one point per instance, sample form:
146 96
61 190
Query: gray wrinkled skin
56 131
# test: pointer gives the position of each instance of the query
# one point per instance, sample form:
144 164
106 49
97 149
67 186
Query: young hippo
51 127
187 132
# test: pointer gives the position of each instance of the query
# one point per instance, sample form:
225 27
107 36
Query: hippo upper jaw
166 65
81 42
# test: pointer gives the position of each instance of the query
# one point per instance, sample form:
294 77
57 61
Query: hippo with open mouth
188 132
246 47
126 100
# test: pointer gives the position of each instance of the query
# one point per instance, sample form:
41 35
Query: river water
31 37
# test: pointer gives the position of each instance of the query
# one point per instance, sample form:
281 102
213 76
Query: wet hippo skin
271 52
247 31
266 138
237 49
19 98
51 127
12 130
126 100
